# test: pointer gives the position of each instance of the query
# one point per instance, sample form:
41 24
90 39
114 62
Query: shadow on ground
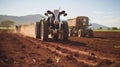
68 42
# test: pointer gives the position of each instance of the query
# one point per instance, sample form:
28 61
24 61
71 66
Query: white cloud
98 12
108 16
109 12
103 12
112 20
108 20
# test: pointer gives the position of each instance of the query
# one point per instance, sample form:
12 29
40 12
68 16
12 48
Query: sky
105 12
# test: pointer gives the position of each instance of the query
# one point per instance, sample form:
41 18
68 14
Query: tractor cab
82 21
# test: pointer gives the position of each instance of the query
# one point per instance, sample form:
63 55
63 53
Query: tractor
79 27
52 27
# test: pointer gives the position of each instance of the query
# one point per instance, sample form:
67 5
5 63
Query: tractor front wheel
37 29
64 32
81 33
44 30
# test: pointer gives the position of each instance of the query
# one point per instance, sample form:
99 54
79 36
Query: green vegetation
7 24
114 28
111 30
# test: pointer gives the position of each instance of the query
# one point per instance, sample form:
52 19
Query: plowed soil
103 50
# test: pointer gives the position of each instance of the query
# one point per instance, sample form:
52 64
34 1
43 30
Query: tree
7 23
100 28
114 28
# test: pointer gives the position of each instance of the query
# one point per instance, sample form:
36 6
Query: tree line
7 23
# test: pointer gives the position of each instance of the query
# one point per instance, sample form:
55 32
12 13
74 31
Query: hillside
97 26
36 17
22 19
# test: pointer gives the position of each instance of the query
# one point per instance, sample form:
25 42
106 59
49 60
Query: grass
7 30
7 27
107 30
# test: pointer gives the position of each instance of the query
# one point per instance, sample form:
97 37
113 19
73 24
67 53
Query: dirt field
17 50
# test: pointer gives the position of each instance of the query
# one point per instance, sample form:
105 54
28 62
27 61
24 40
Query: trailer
79 27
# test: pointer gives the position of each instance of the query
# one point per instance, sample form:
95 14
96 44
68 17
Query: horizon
104 12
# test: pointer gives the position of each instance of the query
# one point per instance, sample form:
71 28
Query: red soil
21 51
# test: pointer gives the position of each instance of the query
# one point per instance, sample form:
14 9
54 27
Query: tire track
81 52
83 56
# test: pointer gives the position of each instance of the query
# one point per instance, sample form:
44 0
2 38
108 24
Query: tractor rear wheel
70 32
44 30
90 33
64 32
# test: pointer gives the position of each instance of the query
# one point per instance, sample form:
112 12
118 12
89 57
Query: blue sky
105 12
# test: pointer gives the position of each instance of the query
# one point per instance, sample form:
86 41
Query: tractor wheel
56 36
37 29
64 31
81 33
70 32
90 33
44 30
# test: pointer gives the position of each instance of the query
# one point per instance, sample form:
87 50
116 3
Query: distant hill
36 17
97 26
21 19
